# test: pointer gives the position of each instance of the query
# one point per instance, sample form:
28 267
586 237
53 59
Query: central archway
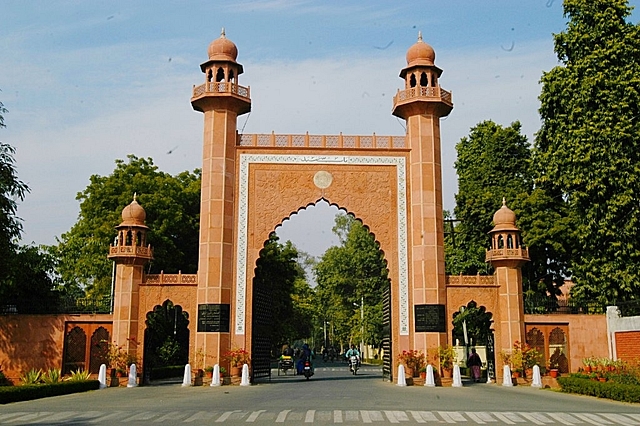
272 187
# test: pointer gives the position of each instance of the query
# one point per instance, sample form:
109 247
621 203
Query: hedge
610 390
28 392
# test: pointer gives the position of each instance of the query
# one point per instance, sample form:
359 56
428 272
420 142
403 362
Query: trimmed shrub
28 392
610 390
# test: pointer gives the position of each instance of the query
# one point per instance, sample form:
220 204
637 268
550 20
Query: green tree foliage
167 335
478 324
347 275
587 152
12 190
172 205
27 280
279 275
493 163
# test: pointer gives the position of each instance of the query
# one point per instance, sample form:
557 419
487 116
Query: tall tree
587 153
351 279
493 163
172 205
278 274
12 190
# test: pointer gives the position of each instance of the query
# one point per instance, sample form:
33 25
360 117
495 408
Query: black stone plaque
430 318
213 318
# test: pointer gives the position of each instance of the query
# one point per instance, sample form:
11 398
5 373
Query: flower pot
447 373
554 373
235 371
515 374
423 374
587 369
209 374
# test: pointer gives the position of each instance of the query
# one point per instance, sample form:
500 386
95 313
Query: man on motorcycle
353 352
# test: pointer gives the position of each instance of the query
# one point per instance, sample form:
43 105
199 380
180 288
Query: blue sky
88 82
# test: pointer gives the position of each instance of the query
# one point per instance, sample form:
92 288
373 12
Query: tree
351 279
172 205
279 275
27 280
11 191
493 163
587 153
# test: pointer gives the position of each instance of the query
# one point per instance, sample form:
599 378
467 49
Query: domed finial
504 202
135 196
223 34
419 35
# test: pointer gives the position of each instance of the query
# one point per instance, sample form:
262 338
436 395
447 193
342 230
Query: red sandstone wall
587 335
35 341
628 345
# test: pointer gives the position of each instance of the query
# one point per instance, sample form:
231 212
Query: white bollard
506 376
133 377
457 378
186 381
245 376
430 379
215 379
402 381
537 380
102 376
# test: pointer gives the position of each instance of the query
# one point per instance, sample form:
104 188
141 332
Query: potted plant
413 360
209 371
446 355
554 363
237 358
587 364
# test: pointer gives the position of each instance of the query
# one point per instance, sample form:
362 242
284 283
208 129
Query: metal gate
387 356
262 320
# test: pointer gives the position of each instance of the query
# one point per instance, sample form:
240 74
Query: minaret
221 99
507 256
130 253
421 104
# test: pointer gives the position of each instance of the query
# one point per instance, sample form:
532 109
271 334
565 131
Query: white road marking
310 415
391 416
564 418
452 416
282 416
254 416
536 418
226 415
337 416
619 418
417 417
174 415
365 416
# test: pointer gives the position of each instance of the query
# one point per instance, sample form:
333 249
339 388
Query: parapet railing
131 250
421 92
221 87
462 280
505 253
162 279
322 141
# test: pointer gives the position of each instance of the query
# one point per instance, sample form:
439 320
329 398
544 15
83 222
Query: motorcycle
353 364
307 370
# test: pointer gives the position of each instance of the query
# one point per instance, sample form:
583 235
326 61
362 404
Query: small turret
130 245
506 242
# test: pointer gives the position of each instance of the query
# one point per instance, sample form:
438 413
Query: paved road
332 396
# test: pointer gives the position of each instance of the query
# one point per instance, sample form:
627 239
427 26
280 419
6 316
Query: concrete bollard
457 378
186 380
133 377
215 379
506 376
245 376
537 379
102 376
430 378
402 381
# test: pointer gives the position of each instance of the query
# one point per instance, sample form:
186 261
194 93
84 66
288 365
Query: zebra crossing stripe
174 415
310 415
592 418
365 417
504 417
110 416
619 418
536 418
417 417
254 415
476 417
391 416
282 416
564 418
337 416
452 416
226 415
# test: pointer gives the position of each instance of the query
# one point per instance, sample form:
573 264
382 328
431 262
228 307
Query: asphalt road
331 396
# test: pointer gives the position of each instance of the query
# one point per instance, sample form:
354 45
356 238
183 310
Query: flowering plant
412 359
522 357
447 354
237 357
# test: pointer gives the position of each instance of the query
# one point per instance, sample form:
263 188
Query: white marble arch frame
243 193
